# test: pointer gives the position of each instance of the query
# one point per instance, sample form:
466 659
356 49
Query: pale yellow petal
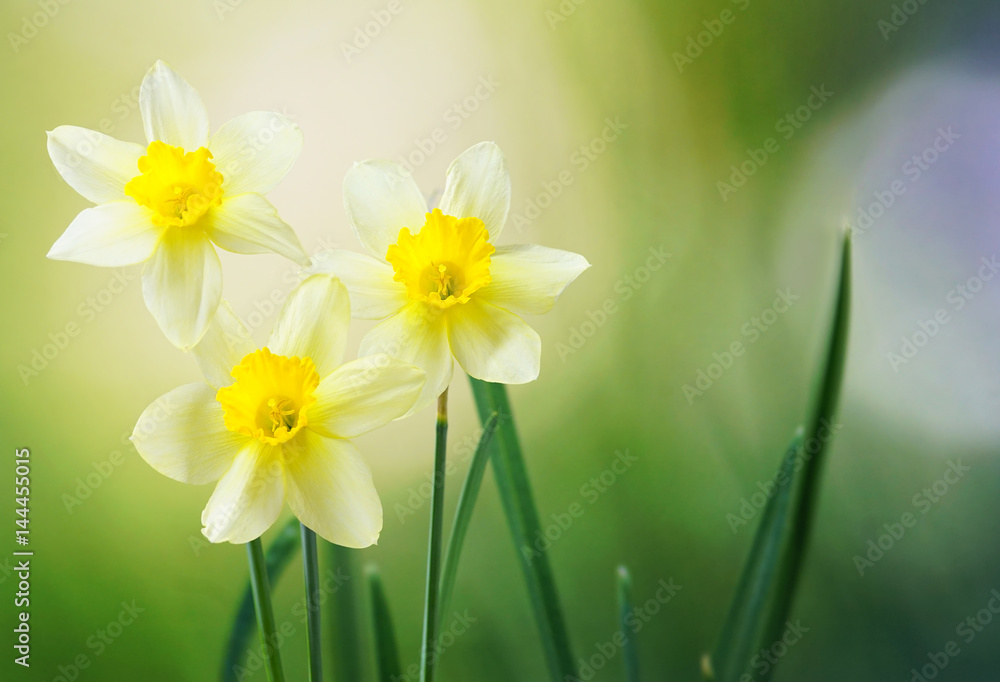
330 490
373 291
225 343
381 198
478 186
249 223
182 435
248 498
416 335
172 110
527 279
493 344
94 164
365 394
255 151
313 323
182 285
110 235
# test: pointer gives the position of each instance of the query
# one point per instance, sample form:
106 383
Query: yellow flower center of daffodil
445 262
271 396
178 186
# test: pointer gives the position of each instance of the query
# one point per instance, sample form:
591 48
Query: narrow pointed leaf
763 600
345 639
631 656
522 518
463 515
823 419
745 621
386 650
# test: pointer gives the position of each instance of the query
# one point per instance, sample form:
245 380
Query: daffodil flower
445 290
273 423
166 203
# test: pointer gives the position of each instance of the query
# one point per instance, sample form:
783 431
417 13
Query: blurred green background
558 72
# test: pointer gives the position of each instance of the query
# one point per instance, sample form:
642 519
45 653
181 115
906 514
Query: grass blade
386 651
279 555
631 656
522 517
770 577
463 515
745 621
823 417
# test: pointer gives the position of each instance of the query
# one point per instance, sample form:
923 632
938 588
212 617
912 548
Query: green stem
310 566
279 554
428 658
265 611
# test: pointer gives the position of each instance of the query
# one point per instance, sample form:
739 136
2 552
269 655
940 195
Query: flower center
178 186
445 262
270 397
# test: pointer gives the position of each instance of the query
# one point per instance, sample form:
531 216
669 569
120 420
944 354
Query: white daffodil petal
527 279
369 281
478 186
182 435
493 344
110 235
255 151
226 342
94 164
248 498
313 323
182 285
172 111
416 335
381 198
330 490
249 223
363 395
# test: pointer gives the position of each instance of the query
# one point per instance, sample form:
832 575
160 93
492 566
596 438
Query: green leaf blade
386 649
463 514
768 584
522 517
345 640
631 655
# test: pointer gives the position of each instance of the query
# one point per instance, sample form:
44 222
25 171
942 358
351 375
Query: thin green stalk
631 656
428 658
279 555
346 641
265 611
522 517
310 567
386 650
463 515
